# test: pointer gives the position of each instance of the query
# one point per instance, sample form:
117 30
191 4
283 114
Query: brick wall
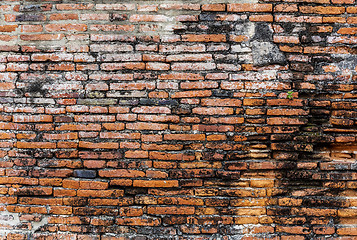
178 120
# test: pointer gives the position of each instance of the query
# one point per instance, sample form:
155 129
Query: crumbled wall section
178 120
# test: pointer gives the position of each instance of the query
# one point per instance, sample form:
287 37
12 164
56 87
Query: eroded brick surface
178 120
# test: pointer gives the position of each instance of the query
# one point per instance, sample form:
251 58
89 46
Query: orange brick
261 18
352 231
41 145
131 212
219 7
204 38
135 221
42 37
60 210
171 210
155 183
104 145
136 154
352 20
213 111
185 137
343 1
322 10
286 8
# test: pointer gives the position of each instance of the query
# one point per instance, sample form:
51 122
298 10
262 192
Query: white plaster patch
11 220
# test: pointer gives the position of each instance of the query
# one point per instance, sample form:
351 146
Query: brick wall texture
143 120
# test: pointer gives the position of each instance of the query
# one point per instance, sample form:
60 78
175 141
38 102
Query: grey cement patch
267 53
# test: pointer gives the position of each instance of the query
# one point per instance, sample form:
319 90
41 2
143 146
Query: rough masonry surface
123 120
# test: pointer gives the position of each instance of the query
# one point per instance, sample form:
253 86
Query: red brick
17 67
286 8
132 86
288 18
192 94
94 118
79 127
148 18
261 18
334 20
343 1
193 66
214 7
181 76
171 210
66 27
81 6
156 118
134 221
155 183
120 66
93 185
204 38
351 9
94 17
8 28
146 126
104 145
40 145
232 85
121 7
116 28
249 7
351 231
100 193
213 111
136 154
322 10
286 121
185 137
180 6
121 173
7 86
61 67
113 126
131 212
198 85
42 37
62 136
63 16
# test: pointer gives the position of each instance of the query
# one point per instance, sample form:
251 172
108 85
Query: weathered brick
134 221
213 111
104 145
40 145
249 7
66 27
155 183
123 120
214 7
121 7
171 210
322 10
